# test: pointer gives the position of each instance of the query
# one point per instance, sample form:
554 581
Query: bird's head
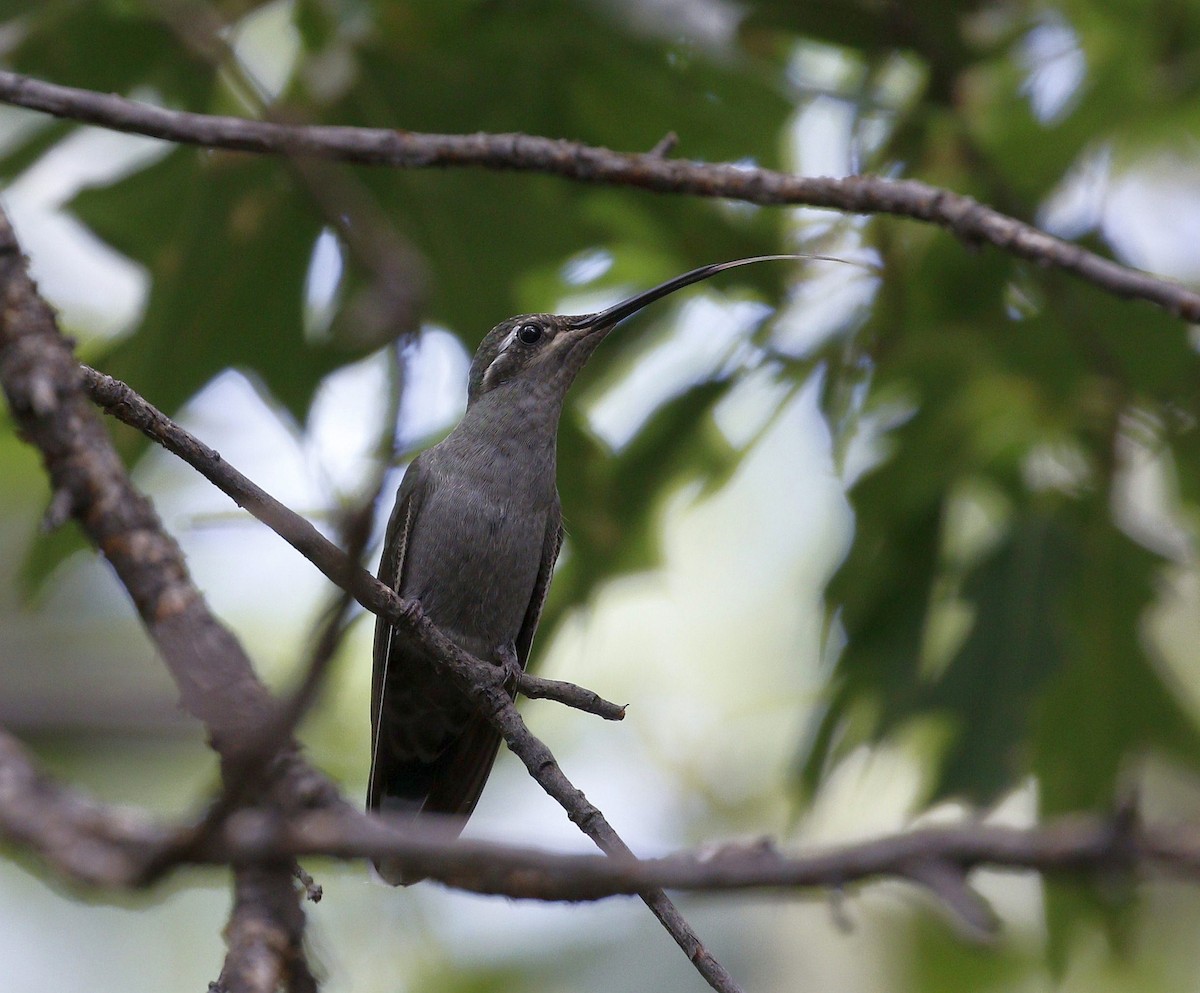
548 350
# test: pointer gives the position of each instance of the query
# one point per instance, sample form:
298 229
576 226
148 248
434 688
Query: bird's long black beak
606 319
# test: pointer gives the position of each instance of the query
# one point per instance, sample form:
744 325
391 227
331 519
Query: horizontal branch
1067 845
95 845
965 217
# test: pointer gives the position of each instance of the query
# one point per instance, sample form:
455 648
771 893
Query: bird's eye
529 334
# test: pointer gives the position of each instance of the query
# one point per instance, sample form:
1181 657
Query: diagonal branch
483 682
965 217
216 680
127 405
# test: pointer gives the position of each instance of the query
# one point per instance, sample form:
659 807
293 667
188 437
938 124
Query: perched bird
473 537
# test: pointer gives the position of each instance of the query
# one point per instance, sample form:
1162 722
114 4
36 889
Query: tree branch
482 682
1070 845
969 220
87 843
216 680
264 934
96 845
540 688
127 405
35 398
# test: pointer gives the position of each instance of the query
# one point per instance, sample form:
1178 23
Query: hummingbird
474 536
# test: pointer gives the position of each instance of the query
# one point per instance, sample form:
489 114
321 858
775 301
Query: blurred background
861 547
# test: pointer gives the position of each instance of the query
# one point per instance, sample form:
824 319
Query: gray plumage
473 537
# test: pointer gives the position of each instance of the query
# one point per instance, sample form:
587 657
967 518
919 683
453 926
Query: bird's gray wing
474 751
391 573
550 549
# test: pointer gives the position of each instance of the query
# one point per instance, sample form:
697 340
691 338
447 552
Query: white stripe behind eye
490 373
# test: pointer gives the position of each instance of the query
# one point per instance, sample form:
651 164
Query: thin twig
540 688
948 882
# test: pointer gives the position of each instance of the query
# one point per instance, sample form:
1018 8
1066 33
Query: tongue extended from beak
626 308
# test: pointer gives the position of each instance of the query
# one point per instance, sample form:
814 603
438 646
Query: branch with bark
484 683
94 845
968 219
217 683
43 383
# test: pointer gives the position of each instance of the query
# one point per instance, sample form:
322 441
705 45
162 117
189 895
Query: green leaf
1014 647
1112 703
227 240
611 503
111 46
881 595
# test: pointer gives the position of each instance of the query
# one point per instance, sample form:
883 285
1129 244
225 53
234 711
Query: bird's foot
506 656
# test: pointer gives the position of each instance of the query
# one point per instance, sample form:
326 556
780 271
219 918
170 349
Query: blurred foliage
997 393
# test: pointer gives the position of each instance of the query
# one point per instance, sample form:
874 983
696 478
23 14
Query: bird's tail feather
448 786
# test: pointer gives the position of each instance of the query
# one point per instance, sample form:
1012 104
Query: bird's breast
472 560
